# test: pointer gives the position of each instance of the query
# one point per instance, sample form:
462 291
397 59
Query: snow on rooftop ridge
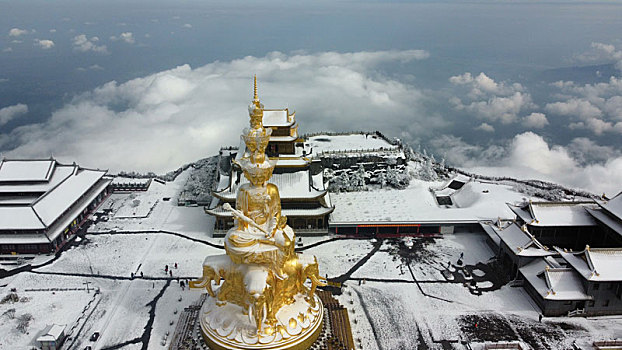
54 203
602 215
350 142
554 283
614 206
16 170
595 264
19 218
277 117
563 284
520 240
52 332
555 213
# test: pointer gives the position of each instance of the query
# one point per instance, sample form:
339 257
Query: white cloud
187 25
529 156
530 150
586 151
52 30
599 53
91 67
161 121
127 37
7 49
483 85
491 100
595 107
497 108
535 120
574 107
18 32
460 153
485 127
82 44
9 113
45 44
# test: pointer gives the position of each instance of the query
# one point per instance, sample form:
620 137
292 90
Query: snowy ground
477 201
351 142
399 297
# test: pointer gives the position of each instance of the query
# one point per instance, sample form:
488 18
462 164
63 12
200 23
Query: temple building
567 255
564 224
43 203
608 215
305 200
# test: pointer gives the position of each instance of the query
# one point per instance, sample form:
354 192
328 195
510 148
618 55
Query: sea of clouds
161 121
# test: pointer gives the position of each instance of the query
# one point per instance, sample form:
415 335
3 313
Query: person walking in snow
175 265
165 268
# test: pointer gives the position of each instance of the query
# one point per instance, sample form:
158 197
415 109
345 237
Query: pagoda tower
297 173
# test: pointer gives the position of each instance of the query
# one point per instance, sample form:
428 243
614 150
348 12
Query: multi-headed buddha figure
263 301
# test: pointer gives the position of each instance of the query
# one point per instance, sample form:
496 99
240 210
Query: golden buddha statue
263 302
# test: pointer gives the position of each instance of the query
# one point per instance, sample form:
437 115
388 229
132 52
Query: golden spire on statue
264 301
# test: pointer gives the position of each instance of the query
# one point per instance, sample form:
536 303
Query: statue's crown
256 140
257 172
255 109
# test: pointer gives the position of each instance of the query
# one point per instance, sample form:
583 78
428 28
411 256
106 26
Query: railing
504 345
608 344
576 312
366 150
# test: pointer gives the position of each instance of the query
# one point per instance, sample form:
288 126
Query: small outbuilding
52 337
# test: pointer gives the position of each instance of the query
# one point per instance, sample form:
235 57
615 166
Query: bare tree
10 313
23 322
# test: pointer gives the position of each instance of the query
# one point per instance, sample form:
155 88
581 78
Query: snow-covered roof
447 189
521 241
277 117
19 218
51 205
554 283
319 211
606 219
18 200
60 173
45 201
614 206
26 170
555 213
416 204
292 162
491 232
81 204
349 142
292 185
52 332
596 264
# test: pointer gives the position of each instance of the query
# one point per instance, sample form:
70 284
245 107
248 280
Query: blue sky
530 88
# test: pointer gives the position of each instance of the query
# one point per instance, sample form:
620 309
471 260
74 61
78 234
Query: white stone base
227 327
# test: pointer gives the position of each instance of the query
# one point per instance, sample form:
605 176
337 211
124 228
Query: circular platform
227 327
